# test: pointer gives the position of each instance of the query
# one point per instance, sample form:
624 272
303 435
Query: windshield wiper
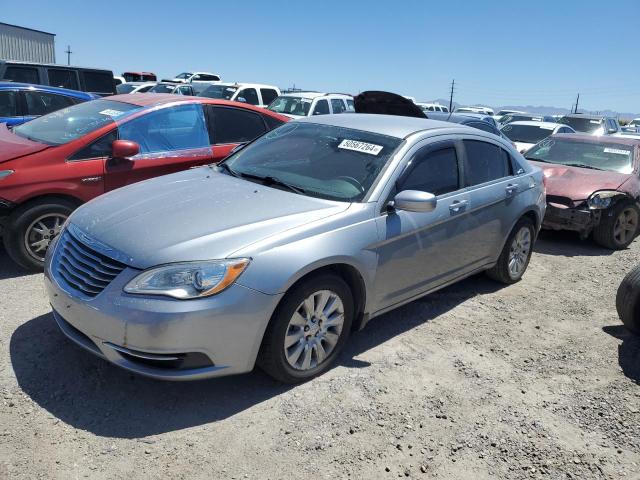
269 180
581 165
537 160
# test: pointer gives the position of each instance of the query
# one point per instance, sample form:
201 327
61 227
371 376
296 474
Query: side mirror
415 201
123 149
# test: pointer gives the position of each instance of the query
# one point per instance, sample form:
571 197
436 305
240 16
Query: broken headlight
603 199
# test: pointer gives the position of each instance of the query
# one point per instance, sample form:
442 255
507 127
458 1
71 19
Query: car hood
578 183
12 146
198 214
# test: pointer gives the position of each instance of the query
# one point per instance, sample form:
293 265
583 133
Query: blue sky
539 52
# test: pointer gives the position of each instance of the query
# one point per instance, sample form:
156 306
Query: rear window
586 125
98 82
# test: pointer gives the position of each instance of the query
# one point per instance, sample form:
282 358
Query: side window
350 106
22 74
63 78
337 105
433 171
484 162
41 103
185 90
175 128
8 104
233 125
203 77
99 82
321 108
100 148
250 95
268 95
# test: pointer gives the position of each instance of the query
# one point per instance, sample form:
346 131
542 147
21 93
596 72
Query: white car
135 87
306 104
200 77
432 107
526 134
633 126
252 93
483 110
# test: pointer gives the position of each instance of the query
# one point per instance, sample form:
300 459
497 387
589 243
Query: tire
276 359
628 301
501 272
23 221
605 233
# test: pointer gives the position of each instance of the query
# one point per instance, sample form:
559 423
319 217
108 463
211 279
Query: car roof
459 117
45 88
588 117
538 124
587 138
390 125
312 95
244 85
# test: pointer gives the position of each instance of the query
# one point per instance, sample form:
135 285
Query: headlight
602 200
5 173
188 280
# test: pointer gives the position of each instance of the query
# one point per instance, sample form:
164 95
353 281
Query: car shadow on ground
568 244
8 268
89 394
628 351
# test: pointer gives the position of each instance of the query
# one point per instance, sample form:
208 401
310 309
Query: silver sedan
274 256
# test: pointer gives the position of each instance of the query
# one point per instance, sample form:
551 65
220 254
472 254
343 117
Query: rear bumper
580 220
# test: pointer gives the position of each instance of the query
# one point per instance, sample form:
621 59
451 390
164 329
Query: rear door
230 127
492 186
171 139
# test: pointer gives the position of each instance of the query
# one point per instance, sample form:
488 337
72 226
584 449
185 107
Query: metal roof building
26 44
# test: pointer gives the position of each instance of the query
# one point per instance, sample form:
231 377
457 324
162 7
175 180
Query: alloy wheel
626 226
41 232
519 252
314 330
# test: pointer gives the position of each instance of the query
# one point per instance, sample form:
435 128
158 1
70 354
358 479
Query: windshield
162 88
634 122
526 133
184 75
587 125
63 126
608 156
125 88
324 161
221 92
291 106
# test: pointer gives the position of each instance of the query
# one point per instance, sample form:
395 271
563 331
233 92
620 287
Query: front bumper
141 333
580 220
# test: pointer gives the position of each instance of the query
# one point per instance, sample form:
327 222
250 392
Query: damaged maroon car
593 186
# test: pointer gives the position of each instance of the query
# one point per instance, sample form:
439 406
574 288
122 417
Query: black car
92 80
469 120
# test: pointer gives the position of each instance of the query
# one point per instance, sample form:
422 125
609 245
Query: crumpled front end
564 213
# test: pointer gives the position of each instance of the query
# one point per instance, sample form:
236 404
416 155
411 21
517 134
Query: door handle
458 206
511 189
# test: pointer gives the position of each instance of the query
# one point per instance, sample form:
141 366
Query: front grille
82 268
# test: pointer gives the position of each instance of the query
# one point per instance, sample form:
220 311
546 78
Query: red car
593 186
51 165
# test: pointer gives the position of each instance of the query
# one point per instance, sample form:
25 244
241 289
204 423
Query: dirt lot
536 380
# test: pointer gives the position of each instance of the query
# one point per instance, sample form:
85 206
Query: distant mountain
544 110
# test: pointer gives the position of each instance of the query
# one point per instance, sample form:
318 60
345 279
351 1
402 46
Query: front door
171 139
419 251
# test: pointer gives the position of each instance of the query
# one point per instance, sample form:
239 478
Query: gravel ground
535 380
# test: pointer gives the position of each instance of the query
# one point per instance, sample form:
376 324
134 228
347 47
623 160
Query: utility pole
453 85
68 52
577 101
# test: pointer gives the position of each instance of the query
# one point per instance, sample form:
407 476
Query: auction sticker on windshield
363 147
615 150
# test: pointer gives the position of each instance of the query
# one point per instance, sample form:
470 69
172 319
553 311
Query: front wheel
32 228
308 329
516 253
618 226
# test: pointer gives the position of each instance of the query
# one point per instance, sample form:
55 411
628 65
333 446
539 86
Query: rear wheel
618 226
308 330
32 228
628 300
516 253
